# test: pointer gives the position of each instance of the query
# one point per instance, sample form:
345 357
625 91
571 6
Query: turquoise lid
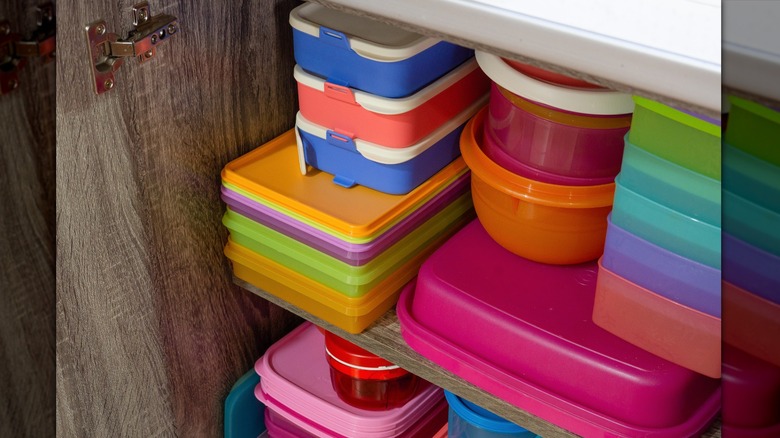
243 412
480 416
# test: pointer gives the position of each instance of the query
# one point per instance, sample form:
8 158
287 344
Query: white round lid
579 100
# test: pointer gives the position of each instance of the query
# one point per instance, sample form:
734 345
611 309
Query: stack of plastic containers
469 420
507 302
751 279
544 161
379 106
659 278
340 254
301 401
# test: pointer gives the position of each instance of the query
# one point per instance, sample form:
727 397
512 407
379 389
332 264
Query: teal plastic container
679 188
752 223
352 281
666 227
752 178
244 414
467 420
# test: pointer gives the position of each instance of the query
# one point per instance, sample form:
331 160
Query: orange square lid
272 173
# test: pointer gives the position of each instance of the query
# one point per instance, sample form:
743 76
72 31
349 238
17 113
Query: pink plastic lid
523 331
295 377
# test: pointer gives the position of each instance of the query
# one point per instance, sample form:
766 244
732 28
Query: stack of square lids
339 254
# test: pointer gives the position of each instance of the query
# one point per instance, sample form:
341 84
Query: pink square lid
523 331
295 374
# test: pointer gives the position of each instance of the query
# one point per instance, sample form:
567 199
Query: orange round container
543 222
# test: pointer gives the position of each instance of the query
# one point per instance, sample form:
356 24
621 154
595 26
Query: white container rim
368 38
579 100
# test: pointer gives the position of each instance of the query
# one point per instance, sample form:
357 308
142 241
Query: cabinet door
27 343
151 333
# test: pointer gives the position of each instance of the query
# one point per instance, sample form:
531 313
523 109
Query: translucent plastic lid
369 38
585 101
271 172
387 105
386 155
295 373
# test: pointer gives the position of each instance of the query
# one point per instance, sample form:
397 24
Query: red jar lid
348 358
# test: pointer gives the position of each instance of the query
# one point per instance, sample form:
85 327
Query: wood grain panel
27 284
151 331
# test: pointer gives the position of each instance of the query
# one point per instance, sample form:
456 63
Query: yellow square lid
272 172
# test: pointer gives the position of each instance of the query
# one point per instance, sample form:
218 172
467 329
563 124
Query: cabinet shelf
666 51
383 338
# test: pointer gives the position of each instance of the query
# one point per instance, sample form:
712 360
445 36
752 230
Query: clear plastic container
543 222
366 380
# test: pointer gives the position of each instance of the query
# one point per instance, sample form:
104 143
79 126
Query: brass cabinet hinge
108 52
15 51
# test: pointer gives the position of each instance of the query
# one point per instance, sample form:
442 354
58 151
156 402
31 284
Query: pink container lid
295 377
536 346
751 391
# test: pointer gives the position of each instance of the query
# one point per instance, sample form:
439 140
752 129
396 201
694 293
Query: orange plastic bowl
543 222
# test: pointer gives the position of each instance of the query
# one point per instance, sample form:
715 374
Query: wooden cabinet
151 331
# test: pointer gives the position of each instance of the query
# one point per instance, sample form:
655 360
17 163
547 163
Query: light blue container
677 187
748 221
368 55
666 227
244 414
752 178
467 420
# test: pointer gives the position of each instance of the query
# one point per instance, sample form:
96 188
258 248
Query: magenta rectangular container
351 253
523 331
295 382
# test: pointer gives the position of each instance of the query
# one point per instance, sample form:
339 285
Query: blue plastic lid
480 416
243 412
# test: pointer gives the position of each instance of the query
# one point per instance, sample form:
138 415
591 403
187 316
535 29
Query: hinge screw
5 29
13 84
108 84
172 29
148 54
154 38
100 29
143 14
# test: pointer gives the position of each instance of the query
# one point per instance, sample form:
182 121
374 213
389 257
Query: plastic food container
752 127
366 380
753 323
677 136
751 268
350 314
355 254
751 395
549 76
367 54
352 281
751 178
243 412
548 132
544 312
751 222
388 170
442 433
467 420
667 274
542 222
296 386
392 123
679 188
271 175
666 227
657 324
